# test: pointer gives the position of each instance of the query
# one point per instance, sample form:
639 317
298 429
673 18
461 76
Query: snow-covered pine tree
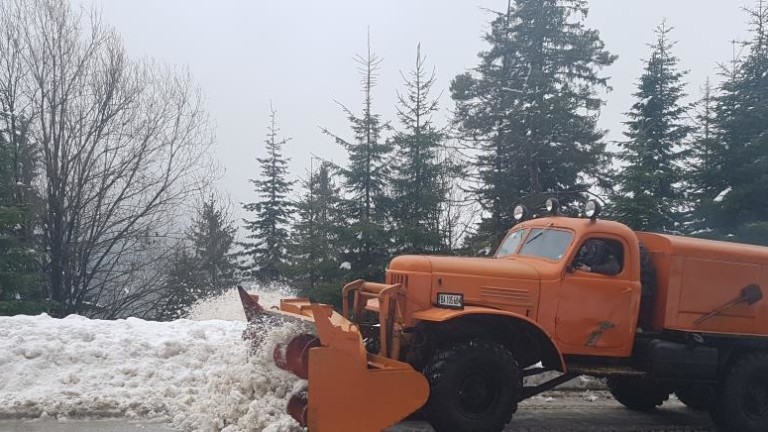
530 108
736 207
315 239
212 236
418 184
650 192
267 238
365 181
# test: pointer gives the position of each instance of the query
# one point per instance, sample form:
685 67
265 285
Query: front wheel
474 387
638 393
742 404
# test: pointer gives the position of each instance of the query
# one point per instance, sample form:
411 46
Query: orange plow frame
350 390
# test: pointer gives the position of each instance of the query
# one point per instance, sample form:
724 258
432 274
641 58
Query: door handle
626 290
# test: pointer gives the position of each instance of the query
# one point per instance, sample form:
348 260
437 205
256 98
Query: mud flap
353 391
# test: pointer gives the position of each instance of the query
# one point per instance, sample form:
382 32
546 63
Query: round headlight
592 209
553 206
520 212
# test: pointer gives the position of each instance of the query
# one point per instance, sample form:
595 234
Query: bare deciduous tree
123 144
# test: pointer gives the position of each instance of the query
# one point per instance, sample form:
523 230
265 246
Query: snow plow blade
349 389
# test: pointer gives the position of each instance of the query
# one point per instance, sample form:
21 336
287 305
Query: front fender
442 315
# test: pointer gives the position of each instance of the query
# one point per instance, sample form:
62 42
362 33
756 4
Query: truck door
597 313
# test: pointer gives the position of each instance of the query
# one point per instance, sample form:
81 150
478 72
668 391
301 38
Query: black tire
638 393
474 387
699 396
742 404
372 345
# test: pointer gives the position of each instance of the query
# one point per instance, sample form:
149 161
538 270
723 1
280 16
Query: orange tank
696 277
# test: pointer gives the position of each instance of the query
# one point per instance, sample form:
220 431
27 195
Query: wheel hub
477 393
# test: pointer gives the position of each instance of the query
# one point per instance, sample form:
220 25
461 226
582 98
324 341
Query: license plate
451 301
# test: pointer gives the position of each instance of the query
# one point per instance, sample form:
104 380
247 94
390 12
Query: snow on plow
349 389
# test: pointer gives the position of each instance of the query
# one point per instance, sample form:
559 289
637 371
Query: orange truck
453 337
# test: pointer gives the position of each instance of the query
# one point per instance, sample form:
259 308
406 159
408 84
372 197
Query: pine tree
201 265
182 285
212 235
736 206
20 277
23 157
315 239
651 194
531 109
704 161
365 181
268 233
418 186
458 208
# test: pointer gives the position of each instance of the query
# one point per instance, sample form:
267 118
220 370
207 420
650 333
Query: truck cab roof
580 226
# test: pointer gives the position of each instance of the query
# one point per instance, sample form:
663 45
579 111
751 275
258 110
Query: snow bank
196 374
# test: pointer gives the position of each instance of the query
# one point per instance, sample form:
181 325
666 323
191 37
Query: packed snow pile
198 375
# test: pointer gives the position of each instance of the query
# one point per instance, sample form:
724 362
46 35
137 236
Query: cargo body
454 337
697 276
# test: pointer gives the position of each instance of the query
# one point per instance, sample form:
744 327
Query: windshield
511 243
546 243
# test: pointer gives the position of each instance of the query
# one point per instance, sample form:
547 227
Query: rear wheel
474 387
699 397
742 404
638 393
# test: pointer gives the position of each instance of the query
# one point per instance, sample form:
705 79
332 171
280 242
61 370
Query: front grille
398 278
512 296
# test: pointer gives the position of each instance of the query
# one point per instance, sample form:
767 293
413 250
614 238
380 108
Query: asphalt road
592 411
554 412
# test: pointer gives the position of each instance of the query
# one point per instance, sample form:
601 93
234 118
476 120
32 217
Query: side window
600 255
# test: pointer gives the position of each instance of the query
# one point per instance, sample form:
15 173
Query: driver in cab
596 256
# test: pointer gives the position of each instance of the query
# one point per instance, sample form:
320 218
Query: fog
299 56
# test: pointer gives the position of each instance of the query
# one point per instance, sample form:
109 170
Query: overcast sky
299 55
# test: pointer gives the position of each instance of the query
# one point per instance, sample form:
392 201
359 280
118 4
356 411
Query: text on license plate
453 301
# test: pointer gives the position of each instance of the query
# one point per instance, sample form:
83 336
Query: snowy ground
198 375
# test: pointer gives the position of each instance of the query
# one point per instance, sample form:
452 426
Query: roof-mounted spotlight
521 213
553 206
592 209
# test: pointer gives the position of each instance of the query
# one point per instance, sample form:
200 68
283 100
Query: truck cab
535 275
587 312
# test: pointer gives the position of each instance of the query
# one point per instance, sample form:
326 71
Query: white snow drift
196 374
